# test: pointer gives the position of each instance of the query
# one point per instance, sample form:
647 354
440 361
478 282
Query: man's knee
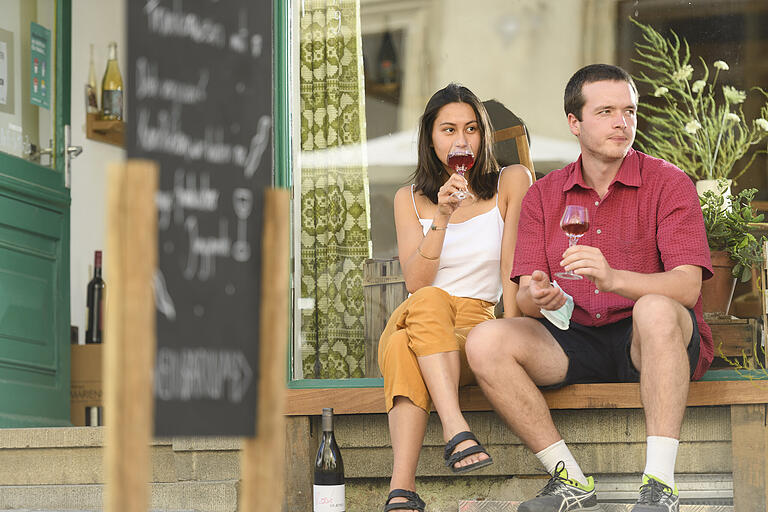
656 311
657 318
494 342
481 341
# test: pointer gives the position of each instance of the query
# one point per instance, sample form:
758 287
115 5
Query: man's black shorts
601 354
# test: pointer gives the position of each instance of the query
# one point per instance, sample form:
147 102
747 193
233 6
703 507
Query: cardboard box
85 381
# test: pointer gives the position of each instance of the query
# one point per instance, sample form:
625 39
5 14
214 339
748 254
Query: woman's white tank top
471 257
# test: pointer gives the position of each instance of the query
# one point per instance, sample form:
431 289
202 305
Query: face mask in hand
560 318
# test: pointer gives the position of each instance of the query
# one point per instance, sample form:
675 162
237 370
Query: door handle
74 151
35 154
70 152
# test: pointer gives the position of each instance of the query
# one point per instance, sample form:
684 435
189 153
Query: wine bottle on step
328 489
95 304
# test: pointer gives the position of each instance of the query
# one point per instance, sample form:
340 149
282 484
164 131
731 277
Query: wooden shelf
111 132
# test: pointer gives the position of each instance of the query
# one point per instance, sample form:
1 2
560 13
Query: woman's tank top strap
498 183
413 198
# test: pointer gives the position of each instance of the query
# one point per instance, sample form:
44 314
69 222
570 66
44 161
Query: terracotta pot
717 292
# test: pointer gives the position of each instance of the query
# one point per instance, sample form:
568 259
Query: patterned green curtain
335 230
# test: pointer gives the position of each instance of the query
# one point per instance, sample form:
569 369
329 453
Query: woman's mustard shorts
428 322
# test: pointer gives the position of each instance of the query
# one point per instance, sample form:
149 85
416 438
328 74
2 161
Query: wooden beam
303 402
300 448
263 457
749 436
129 342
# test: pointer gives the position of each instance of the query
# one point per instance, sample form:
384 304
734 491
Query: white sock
559 452
661 453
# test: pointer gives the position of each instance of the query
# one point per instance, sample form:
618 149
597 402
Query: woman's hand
446 201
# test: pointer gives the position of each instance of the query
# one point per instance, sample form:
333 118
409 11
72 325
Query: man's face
609 120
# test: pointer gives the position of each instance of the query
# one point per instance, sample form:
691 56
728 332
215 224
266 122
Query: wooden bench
747 400
302 402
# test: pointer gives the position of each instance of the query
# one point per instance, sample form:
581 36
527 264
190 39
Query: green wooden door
34 213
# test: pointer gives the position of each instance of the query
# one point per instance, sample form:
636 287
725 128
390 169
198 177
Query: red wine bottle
95 304
328 489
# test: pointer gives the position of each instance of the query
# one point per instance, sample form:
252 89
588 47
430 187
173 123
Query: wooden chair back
520 135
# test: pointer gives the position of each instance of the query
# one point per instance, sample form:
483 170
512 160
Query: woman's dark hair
430 172
573 100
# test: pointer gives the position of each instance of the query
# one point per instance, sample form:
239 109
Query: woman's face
455 123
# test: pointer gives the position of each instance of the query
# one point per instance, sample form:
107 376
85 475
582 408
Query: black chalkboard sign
199 104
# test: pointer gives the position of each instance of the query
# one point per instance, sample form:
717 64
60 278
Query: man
637 314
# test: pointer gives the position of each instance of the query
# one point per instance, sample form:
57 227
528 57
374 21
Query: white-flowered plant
697 123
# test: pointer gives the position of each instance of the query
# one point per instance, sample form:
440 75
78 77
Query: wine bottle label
112 104
91 105
329 498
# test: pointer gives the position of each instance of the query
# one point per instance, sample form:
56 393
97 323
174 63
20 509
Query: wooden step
511 506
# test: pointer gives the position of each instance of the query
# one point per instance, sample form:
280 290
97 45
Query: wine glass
575 223
460 159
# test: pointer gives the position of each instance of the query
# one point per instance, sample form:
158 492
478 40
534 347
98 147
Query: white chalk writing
168 137
163 299
149 84
259 144
188 195
177 23
242 203
202 373
203 250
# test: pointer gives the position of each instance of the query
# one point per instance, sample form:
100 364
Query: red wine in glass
460 162
575 222
575 229
460 159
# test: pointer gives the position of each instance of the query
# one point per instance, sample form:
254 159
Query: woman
456 256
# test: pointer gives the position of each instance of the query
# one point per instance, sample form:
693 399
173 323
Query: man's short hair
574 99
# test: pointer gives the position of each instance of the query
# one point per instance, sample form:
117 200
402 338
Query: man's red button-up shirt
649 221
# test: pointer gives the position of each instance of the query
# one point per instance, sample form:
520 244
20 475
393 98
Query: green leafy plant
748 366
727 227
693 121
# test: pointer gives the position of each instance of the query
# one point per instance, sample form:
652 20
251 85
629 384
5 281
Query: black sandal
452 458
414 501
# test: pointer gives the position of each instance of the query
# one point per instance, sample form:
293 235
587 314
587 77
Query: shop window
363 71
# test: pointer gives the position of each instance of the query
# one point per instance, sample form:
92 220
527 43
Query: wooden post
129 343
764 301
300 449
264 456
749 445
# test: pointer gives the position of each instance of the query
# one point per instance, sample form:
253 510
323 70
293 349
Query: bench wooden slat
301 402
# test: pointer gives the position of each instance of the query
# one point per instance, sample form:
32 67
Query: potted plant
693 120
733 247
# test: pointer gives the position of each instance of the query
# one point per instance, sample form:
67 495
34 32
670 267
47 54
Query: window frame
283 61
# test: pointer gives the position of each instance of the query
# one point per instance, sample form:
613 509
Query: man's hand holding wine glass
589 262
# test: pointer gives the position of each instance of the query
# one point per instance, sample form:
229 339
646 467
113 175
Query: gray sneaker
561 495
656 496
